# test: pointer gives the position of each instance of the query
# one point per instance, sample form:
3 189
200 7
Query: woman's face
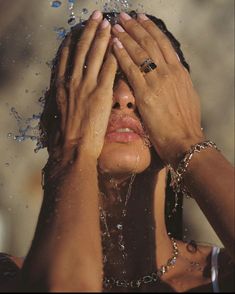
125 150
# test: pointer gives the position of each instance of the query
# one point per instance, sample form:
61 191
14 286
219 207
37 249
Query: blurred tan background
28 42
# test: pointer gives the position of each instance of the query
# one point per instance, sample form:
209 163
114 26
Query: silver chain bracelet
178 174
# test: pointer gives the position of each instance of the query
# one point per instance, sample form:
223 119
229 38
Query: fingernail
104 24
125 16
117 43
96 14
142 16
119 28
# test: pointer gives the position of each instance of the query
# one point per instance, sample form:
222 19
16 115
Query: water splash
76 16
28 129
117 6
61 32
56 4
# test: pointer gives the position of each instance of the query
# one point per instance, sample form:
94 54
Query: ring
148 65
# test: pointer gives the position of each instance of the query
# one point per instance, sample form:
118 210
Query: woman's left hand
166 99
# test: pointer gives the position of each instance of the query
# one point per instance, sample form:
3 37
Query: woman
104 222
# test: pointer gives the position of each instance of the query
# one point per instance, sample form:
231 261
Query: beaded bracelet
177 175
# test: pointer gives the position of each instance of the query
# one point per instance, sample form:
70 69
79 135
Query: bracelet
177 175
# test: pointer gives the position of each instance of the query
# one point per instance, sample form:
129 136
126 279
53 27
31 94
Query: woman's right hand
85 100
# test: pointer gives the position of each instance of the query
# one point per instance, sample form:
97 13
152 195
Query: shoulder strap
214 269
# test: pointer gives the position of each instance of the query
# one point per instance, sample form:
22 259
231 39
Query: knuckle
91 24
74 82
139 52
133 25
65 51
132 69
146 41
68 85
164 39
148 25
102 34
60 83
60 97
82 44
87 86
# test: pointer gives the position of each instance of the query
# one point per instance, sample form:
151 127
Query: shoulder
9 271
226 272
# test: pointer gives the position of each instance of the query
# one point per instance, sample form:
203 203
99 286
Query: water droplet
121 247
9 135
61 33
85 11
72 20
7 164
119 226
56 4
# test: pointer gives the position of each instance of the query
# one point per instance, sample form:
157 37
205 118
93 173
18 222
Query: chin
120 159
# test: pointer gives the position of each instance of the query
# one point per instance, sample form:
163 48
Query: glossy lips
124 129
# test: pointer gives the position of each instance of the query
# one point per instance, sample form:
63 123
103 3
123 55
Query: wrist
181 148
178 174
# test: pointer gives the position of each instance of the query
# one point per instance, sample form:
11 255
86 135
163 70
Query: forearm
210 179
67 241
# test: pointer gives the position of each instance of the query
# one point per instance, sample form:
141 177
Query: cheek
120 158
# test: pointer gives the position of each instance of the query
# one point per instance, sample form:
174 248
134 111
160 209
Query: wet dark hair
140 225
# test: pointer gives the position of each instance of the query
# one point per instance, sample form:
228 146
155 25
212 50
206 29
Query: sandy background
28 42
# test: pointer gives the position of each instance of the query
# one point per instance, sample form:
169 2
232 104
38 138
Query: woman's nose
123 98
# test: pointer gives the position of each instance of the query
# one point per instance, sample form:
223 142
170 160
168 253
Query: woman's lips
124 129
122 137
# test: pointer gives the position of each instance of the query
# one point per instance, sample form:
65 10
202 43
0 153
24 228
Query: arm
170 108
66 252
210 179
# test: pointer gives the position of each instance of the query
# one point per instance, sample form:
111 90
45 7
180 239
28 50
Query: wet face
125 149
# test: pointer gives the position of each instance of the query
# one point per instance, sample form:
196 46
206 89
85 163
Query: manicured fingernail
96 14
119 28
117 43
104 24
125 16
142 16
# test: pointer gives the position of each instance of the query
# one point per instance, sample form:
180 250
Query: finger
142 37
131 70
97 52
61 100
63 59
162 40
83 46
61 96
136 52
108 72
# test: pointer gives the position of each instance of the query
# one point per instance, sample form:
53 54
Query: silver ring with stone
148 65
